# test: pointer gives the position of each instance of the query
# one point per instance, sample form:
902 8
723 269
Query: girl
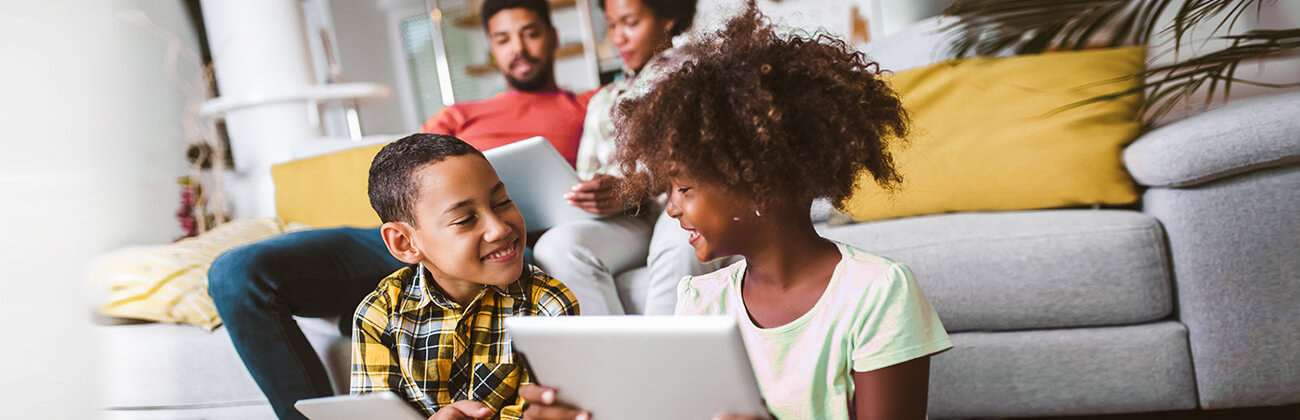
744 134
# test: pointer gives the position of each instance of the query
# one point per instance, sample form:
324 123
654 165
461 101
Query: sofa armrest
1242 137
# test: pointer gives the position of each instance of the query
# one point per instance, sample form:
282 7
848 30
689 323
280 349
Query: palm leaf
1171 84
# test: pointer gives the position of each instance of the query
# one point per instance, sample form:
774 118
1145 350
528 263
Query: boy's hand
462 410
542 405
596 196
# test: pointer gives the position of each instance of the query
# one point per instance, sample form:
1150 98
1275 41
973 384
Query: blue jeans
259 287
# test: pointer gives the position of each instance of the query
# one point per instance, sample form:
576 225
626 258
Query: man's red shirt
512 116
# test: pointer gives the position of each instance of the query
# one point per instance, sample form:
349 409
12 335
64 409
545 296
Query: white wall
894 15
91 150
830 16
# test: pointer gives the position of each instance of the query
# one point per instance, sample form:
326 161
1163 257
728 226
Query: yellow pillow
170 283
984 137
327 190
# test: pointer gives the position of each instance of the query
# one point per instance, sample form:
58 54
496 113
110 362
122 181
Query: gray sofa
1192 300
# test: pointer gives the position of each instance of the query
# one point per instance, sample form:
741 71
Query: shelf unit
472 20
564 51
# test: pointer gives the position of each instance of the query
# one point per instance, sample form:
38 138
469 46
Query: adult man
524 46
259 288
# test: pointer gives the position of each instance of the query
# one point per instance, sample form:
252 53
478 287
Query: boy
432 332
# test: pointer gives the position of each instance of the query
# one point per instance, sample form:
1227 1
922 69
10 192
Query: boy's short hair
391 187
491 7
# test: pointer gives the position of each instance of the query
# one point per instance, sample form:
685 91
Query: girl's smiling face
715 218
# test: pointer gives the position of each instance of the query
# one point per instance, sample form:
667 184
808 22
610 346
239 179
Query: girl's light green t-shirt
872 315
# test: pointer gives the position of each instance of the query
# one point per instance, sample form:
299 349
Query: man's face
524 48
466 226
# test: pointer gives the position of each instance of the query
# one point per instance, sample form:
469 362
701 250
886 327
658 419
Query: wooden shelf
483 69
472 20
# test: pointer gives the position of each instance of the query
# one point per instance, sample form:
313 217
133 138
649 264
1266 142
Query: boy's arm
550 296
374 364
515 410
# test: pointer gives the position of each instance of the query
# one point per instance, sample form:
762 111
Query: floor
1287 412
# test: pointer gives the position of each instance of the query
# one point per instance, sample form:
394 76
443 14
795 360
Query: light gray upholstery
152 361
1063 372
1030 269
1235 246
1241 137
169 371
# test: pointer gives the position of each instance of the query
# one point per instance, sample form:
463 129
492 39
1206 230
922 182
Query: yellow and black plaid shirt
409 338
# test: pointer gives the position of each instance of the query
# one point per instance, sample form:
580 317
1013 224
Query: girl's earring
757 214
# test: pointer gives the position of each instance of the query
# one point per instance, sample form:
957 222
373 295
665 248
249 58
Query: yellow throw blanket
170 283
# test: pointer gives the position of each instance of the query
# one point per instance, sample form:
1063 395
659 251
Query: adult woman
586 255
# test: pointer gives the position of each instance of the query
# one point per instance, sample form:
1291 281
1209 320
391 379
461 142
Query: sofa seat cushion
1064 372
168 366
1028 270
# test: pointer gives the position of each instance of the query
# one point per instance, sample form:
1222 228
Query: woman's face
635 30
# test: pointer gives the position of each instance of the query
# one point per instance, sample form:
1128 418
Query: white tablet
536 177
641 367
379 405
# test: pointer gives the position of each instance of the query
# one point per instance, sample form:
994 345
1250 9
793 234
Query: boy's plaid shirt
411 339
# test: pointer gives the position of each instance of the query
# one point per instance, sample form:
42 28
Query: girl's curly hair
775 118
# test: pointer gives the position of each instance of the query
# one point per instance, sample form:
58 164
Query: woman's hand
596 196
462 410
542 405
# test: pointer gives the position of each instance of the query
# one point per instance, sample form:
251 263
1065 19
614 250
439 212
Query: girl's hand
462 410
542 405
596 196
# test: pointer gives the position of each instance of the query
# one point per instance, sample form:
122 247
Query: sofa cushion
167 366
1033 269
1061 372
327 190
997 134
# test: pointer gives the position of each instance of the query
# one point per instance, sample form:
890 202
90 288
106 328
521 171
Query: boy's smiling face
467 231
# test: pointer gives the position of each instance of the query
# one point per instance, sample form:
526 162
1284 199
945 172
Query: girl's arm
894 392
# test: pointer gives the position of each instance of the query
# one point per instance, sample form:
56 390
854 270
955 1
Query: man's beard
534 83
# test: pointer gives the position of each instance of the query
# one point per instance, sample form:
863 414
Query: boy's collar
423 292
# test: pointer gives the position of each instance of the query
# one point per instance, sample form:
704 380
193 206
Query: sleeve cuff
867 364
